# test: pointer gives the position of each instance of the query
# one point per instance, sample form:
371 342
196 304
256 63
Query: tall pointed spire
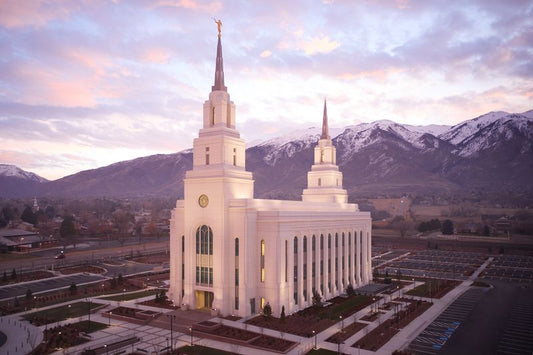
219 70
325 130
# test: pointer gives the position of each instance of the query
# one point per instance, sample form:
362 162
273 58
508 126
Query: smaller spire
325 130
219 70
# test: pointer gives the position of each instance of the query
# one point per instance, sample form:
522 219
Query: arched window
305 244
236 246
204 240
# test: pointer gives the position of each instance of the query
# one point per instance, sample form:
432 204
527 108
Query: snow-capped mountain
490 153
7 170
463 130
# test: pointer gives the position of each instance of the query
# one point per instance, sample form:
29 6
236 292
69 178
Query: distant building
232 253
21 240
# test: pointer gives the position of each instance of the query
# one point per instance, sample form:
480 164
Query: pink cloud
156 55
207 6
17 13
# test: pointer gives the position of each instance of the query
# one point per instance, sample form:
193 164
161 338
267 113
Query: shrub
267 310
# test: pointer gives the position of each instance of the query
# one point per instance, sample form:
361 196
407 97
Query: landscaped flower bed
315 318
384 332
346 332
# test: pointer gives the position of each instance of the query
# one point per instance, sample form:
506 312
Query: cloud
265 54
37 13
319 44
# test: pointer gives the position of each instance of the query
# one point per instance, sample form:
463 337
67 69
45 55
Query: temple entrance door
204 299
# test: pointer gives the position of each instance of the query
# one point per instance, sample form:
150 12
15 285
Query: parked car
60 256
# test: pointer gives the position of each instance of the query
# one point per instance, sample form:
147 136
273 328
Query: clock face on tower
203 200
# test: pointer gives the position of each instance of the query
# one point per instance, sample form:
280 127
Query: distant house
20 240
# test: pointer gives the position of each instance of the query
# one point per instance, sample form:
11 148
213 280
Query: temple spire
219 70
325 130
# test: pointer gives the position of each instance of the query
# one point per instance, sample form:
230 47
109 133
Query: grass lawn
131 296
64 312
334 311
94 326
198 349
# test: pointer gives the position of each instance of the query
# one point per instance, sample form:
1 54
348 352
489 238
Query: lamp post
109 318
123 290
171 316
315 334
373 300
342 322
89 314
190 330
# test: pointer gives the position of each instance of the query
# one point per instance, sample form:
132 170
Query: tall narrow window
237 273
262 261
319 182
286 258
234 156
204 256
206 155
213 117
182 265
295 248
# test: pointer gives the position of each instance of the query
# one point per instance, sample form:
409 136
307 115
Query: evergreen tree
486 231
29 295
13 274
282 315
28 216
447 227
4 278
267 310
67 230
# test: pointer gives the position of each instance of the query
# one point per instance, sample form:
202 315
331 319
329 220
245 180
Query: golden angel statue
219 25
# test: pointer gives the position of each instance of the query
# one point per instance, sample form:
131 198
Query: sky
84 84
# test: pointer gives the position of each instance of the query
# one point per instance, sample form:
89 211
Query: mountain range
490 153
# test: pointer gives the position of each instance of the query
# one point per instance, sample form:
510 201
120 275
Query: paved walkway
22 337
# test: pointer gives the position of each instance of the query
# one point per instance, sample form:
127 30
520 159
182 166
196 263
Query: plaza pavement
21 335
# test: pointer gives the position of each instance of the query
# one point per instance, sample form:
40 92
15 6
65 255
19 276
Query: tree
29 295
4 278
317 300
73 288
349 290
282 315
120 279
67 230
267 310
28 216
486 231
13 274
447 227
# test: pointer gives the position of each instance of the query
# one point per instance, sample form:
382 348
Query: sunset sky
84 84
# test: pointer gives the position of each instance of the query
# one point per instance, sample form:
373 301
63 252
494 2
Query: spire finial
325 130
219 69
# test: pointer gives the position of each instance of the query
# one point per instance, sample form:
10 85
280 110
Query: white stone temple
232 253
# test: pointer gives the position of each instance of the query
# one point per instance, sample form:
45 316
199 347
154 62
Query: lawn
201 350
89 327
131 296
434 288
61 313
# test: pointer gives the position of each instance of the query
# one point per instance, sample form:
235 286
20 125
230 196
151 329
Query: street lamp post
109 318
315 334
123 290
171 316
342 322
190 330
89 314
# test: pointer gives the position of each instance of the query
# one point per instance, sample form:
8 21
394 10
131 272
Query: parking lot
437 264
511 268
17 290
434 337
